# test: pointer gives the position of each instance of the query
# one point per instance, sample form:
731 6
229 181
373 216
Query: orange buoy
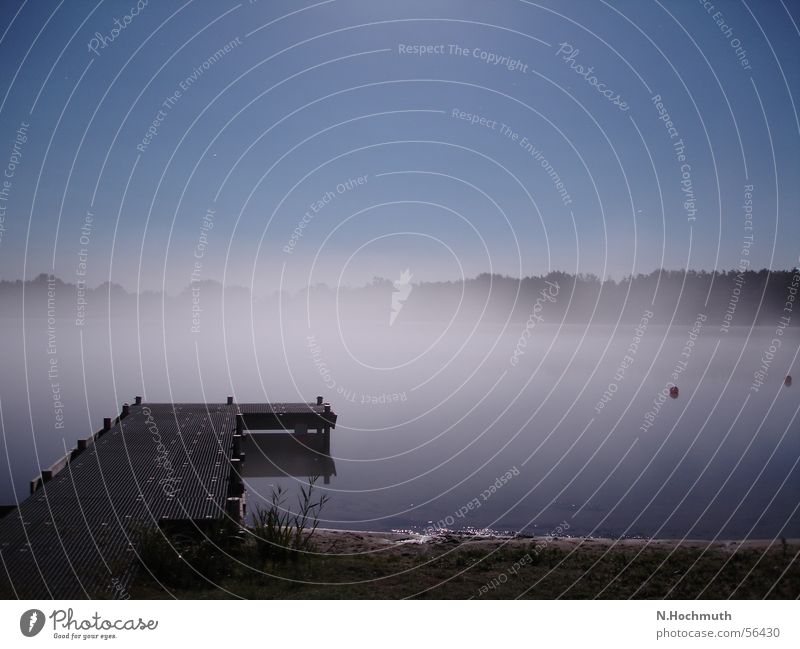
673 392
788 380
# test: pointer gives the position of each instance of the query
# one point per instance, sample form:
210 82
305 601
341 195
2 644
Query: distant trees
752 297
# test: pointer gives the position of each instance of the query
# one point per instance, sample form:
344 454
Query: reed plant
284 534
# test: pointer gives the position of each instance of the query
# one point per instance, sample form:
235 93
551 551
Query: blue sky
312 95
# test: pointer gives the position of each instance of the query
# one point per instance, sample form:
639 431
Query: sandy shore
331 541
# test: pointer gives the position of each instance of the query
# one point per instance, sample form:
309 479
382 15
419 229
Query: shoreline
367 541
351 564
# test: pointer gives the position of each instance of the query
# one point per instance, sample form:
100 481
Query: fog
487 421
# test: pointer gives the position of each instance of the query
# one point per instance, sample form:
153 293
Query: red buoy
788 380
673 392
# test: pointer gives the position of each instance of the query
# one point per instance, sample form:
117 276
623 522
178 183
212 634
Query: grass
187 558
458 571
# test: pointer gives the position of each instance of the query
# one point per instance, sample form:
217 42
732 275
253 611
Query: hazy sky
257 110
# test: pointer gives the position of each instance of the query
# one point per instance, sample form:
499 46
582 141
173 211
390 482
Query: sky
277 145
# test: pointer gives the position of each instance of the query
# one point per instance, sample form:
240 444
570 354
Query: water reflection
276 454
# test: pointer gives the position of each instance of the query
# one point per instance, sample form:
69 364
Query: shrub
283 534
186 559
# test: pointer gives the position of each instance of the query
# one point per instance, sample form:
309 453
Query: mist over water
449 422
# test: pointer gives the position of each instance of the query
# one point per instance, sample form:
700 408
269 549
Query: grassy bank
387 566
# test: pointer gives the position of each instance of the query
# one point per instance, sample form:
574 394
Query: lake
442 425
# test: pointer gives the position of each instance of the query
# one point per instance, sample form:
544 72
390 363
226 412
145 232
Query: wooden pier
154 464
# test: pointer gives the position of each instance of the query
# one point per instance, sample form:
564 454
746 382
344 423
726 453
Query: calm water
438 427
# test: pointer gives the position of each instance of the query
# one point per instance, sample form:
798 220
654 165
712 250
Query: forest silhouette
749 298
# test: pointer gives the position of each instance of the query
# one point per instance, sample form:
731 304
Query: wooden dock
156 463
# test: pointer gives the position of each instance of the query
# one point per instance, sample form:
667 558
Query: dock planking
156 463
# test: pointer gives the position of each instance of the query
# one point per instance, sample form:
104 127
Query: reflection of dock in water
293 452
155 464
288 454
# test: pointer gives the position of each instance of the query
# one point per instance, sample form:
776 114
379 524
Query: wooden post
233 508
236 482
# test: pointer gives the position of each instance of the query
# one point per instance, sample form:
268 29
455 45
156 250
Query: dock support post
236 483
234 508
